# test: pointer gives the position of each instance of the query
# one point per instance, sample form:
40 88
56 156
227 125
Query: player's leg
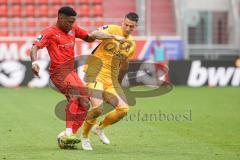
66 139
114 95
75 111
95 95
77 94
77 106
95 91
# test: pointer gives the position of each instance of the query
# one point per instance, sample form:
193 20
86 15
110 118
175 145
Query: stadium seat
97 1
43 2
43 11
97 10
98 22
16 11
31 33
4 11
3 22
3 33
30 22
16 22
84 22
4 2
54 10
84 11
16 1
83 1
17 33
30 11
70 2
28 1
43 22
59 2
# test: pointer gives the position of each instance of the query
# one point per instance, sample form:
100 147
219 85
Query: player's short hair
68 11
132 16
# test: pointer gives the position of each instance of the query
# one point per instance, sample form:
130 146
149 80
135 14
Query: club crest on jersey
39 37
104 27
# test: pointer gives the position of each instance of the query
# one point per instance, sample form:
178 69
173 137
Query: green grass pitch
185 124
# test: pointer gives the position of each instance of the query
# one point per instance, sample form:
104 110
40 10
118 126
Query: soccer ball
60 136
65 142
62 145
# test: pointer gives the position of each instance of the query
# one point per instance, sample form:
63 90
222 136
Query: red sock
70 112
79 118
75 115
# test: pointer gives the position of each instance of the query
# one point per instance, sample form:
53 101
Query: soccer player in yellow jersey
105 69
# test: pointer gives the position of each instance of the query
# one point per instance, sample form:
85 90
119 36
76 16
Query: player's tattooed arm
101 36
123 69
33 55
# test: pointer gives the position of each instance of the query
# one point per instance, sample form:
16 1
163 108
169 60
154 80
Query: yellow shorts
109 89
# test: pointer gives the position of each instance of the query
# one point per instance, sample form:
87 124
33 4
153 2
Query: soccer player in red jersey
59 40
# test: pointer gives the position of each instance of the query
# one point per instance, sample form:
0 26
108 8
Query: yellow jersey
105 61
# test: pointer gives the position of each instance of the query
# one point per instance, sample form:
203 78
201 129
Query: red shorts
69 84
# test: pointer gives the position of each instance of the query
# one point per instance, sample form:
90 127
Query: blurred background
169 31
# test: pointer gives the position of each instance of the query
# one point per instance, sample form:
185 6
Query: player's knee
84 102
122 111
91 121
97 112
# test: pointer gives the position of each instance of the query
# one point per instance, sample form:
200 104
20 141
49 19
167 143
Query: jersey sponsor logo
67 45
125 46
39 38
115 48
109 47
214 76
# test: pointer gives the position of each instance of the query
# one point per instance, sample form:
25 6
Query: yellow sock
113 117
88 124
91 120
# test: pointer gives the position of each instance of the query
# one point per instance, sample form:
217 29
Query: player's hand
35 69
119 38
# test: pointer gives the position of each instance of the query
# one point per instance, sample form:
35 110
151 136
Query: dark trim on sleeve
96 48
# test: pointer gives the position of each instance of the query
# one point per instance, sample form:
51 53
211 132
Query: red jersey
60 45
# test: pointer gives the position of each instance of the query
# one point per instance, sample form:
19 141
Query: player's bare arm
102 36
123 70
33 54
89 38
